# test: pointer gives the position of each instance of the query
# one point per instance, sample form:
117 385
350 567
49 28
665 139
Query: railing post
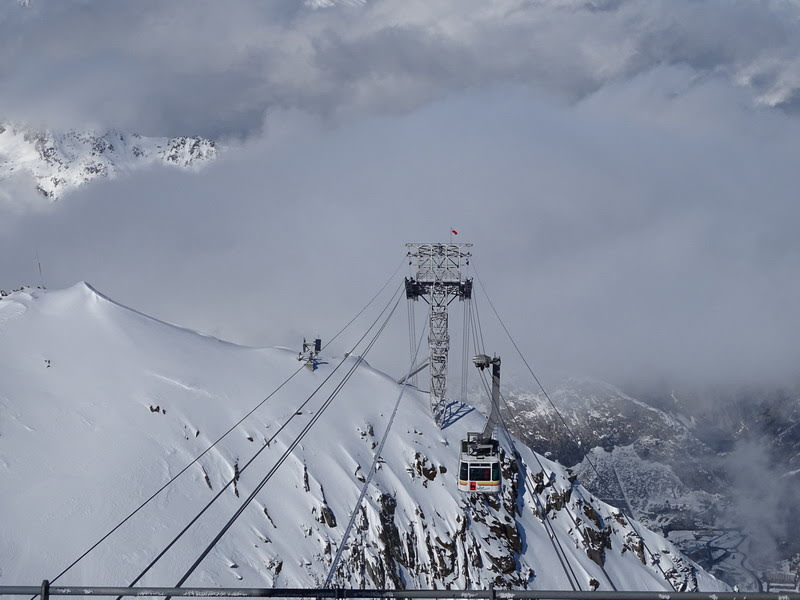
44 594
492 595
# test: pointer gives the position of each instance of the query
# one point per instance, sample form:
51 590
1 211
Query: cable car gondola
479 465
479 460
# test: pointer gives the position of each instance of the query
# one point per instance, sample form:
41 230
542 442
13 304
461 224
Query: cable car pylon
438 280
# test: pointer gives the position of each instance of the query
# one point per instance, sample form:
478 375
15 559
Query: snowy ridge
101 405
60 162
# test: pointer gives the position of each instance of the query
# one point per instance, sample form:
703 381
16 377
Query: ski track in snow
181 384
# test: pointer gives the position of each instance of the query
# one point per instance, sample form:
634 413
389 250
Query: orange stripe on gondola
462 482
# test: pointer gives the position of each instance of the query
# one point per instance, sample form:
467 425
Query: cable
507 433
465 348
176 476
566 426
412 333
260 450
219 439
528 486
551 534
478 319
554 541
286 453
372 468
367 305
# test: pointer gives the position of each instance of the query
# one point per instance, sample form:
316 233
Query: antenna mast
439 281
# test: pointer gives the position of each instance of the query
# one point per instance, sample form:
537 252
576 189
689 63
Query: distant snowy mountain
678 470
60 162
679 467
100 405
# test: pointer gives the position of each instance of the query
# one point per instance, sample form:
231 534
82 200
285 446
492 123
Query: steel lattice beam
439 279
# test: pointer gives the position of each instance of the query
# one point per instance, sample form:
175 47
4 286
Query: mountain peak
62 161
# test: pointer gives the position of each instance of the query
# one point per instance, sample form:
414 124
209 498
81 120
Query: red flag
453 231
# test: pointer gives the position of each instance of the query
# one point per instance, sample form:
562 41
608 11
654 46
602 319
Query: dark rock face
392 551
484 546
485 541
425 469
327 516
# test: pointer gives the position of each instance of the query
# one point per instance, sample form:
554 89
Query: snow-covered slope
101 405
60 162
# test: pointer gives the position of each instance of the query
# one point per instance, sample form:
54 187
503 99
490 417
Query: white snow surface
60 162
81 445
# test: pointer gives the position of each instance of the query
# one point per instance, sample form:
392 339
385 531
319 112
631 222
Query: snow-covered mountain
101 405
60 162
680 471
656 454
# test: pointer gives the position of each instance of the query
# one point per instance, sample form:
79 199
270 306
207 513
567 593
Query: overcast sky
627 171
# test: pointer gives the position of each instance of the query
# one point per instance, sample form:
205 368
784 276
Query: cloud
216 69
763 501
638 233
618 165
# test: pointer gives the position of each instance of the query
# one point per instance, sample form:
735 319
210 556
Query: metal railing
45 591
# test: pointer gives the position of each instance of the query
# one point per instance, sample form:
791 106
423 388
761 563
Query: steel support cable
554 541
558 549
528 486
287 452
530 370
412 330
478 320
373 467
566 566
366 306
263 447
560 553
551 534
528 483
563 421
541 466
465 348
218 440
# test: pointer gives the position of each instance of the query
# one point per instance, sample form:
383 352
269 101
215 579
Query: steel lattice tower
439 280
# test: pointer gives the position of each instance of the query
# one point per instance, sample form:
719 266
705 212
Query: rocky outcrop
60 162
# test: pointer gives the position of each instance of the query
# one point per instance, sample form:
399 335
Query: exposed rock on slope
643 456
60 162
